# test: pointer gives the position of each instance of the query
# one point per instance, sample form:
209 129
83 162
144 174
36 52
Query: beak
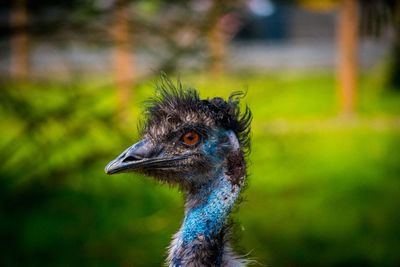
143 155
132 158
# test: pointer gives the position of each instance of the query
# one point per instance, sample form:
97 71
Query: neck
201 238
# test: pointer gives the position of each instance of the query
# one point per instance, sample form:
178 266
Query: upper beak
133 158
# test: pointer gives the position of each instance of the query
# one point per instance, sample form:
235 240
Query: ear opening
234 140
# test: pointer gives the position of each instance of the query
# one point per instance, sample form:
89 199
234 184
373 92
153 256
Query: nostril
132 158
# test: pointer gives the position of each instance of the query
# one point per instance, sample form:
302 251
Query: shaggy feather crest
175 105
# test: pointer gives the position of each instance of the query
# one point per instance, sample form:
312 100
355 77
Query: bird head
185 139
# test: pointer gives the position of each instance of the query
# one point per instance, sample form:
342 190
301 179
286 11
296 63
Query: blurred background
323 81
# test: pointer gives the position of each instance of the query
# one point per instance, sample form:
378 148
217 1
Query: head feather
174 101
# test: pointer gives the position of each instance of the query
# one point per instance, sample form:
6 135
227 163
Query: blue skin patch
208 218
217 145
210 148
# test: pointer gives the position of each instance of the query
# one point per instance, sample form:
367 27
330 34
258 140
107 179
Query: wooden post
122 57
19 68
217 38
347 65
217 46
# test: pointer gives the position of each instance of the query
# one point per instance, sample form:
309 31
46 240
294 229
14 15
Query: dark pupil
190 136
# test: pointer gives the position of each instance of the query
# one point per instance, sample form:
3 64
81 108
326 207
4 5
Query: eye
190 138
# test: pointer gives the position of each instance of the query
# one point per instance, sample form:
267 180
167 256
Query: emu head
185 139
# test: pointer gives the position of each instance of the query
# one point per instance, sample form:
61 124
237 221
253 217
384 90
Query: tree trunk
20 60
217 38
217 46
347 65
122 57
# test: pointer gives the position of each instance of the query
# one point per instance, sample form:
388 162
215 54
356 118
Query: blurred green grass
323 189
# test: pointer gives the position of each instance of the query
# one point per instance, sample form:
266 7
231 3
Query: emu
199 145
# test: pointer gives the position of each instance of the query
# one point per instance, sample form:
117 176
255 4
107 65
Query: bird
201 146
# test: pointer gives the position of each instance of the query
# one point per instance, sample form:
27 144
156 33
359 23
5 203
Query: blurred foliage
172 31
323 191
57 205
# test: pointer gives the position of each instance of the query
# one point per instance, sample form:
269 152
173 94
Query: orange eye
190 138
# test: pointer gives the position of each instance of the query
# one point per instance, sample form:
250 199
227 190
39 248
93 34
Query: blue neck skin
208 208
201 236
